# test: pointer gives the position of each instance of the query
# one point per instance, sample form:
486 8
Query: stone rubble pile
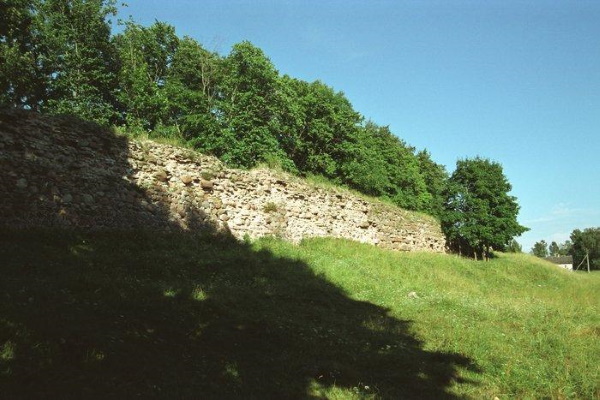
64 172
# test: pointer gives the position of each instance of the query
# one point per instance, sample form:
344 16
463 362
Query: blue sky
514 81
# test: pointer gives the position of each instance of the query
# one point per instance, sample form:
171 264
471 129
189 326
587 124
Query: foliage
383 165
270 207
249 107
57 57
22 78
554 249
193 90
586 242
145 55
514 247
79 58
60 57
540 249
436 178
480 214
317 124
565 248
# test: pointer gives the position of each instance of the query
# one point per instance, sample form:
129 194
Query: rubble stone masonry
65 172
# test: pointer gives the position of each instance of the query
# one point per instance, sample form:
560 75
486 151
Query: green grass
141 315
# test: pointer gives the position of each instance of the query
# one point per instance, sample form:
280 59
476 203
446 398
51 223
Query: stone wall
61 171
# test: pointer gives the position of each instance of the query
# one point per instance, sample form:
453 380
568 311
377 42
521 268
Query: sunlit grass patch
7 351
174 315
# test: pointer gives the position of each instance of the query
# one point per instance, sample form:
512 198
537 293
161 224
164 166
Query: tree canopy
540 249
480 213
586 242
514 247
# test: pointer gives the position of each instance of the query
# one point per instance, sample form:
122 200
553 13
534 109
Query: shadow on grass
139 314
179 316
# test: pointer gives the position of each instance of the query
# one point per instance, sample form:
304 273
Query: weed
7 351
208 175
270 207
199 294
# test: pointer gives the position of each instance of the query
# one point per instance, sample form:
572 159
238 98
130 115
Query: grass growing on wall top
126 315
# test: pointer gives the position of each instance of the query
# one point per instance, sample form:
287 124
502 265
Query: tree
317 125
57 57
479 213
22 78
145 56
554 249
249 107
436 177
514 247
564 249
586 243
540 249
381 164
79 57
192 90
366 168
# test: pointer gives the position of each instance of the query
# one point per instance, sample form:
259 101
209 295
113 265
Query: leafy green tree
192 88
554 249
145 56
586 242
366 168
383 165
249 103
564 249
480 214
291 117
540 249
436 178
514 247
79 57
22 78
317 125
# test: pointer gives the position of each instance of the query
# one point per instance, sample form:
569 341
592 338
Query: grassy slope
180 316
531 329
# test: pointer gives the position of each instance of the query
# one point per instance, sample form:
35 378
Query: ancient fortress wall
64 172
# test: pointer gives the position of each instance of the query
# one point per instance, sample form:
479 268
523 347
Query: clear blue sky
514 81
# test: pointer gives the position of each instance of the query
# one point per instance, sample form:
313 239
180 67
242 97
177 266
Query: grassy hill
143 315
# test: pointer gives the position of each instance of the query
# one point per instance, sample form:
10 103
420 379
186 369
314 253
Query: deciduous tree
540 249
381 164
316 126
192 89
565 248
586 242
554 249
514 247
79 57
480 214
249 107
22 77
145 55
436 178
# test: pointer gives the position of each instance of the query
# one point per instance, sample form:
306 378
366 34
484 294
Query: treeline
61 56
582 245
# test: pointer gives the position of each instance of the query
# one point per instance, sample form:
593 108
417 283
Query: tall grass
531 328
126 315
